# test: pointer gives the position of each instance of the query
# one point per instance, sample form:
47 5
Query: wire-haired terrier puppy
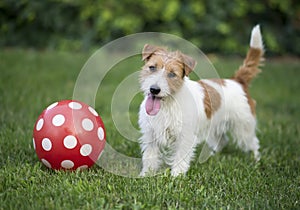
177 113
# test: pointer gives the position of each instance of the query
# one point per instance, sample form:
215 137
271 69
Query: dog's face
162 75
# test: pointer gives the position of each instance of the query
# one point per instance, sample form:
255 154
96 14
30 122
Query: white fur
256 38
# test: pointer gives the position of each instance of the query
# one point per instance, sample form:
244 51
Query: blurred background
215 26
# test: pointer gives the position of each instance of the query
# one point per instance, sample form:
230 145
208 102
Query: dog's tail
250 67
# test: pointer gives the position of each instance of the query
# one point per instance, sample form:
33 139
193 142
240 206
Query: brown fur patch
212 99
249 69
251 102
174 74
247 72
149 50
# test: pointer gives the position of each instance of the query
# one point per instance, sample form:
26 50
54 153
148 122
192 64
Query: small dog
177 114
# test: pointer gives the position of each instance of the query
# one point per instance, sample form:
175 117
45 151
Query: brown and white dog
177 113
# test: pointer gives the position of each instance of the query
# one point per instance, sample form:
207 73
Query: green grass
31 80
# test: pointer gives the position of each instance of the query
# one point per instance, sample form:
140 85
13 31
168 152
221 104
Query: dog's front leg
184 152
151 158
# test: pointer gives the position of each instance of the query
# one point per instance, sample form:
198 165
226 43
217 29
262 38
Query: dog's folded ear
148 50
189 63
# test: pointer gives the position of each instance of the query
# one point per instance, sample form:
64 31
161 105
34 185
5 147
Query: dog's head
163 74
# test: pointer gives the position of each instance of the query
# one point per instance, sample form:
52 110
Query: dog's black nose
154 89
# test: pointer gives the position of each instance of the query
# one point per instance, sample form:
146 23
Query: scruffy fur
177 114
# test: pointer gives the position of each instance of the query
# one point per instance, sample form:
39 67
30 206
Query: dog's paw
257 156
142 174
147 172
177 172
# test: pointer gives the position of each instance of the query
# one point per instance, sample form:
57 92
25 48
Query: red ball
69 134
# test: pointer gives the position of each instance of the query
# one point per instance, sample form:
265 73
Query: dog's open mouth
152 104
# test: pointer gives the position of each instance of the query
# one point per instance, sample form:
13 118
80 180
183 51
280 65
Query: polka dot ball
69 135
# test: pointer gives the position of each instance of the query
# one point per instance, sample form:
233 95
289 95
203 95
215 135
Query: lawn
31 80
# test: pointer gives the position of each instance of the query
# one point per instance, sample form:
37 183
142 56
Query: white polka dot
46 144
70 142
40 124
86 150
46 163
82 167
87 124
93 111
100 133
75 105
67 164
58 120
33 142
52 105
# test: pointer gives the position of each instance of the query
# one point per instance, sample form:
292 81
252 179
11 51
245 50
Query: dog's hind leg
217 142
217 138
244 134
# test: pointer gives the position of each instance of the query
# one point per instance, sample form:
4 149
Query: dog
177 114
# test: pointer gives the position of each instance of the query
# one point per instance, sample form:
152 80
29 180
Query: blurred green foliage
213 25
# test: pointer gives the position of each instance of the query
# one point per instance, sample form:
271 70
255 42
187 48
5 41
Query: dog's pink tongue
152 105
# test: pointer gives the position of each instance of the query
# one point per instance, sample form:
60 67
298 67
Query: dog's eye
171 74
152 68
